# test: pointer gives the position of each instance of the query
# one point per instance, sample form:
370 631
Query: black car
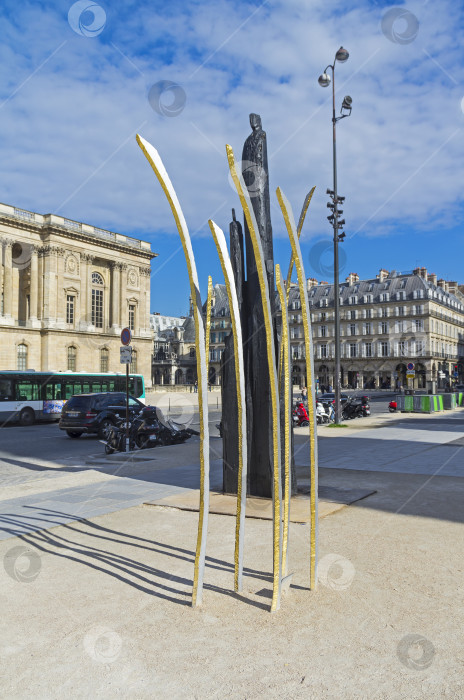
330 397
95 413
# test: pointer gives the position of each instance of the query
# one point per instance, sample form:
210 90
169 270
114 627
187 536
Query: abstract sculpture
258 433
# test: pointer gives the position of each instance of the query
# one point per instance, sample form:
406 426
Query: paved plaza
96 587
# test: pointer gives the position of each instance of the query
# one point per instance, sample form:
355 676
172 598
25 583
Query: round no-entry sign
126 336
410 366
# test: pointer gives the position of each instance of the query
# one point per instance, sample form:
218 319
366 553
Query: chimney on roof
452 287
416 271
432 278
352 278
441 283
423 273
382 276
311 282
323 282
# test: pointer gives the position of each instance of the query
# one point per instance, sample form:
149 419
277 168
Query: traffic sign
456 374
126 336
410 375
126 355
410 366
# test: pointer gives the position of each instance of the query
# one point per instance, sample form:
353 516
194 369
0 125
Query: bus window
6 390
96 386
111 385
52 390
27 390
72 388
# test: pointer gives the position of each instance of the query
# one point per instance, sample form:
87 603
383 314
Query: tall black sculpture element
257 382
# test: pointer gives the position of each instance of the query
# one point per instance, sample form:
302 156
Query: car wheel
105 425
304 423
73 433
27 416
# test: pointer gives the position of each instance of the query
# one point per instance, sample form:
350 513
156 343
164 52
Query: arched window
72 354
133 367
97 300
22 357
104 359
97 278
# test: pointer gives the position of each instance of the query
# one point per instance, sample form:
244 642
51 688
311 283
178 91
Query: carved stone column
8 280
60 295
122 296
1 273
49 254
34 293
144 315
115 295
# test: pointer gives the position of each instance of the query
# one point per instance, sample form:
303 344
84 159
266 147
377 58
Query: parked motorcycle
356 407
148 428
393 406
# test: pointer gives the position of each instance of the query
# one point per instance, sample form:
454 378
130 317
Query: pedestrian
196 387
209 386
304 393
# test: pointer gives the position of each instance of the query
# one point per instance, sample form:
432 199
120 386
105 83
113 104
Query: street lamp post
324 81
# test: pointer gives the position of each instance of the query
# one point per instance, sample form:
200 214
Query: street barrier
427 403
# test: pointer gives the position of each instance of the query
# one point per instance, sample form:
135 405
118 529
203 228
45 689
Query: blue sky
73 98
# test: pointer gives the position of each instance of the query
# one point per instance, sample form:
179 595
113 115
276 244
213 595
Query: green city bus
29 396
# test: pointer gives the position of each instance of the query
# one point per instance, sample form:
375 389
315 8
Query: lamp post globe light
324 81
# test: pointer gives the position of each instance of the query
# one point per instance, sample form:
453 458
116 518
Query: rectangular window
402 348
69 309
400 310
418 325
353 313
368 313
323 331
27 390
384 327
420 347
352 349
192 352
368 349
384 349
97 308
132 317
368 328
324 350
385 312
352 329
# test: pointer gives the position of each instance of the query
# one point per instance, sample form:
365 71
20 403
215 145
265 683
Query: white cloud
399 153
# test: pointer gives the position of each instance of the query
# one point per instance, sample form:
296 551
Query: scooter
364 408
393 406
322 413
300 415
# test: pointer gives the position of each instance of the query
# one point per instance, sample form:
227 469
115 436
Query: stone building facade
385 323
66 291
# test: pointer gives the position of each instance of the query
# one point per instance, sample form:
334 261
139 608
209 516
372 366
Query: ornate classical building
66 290
385 323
